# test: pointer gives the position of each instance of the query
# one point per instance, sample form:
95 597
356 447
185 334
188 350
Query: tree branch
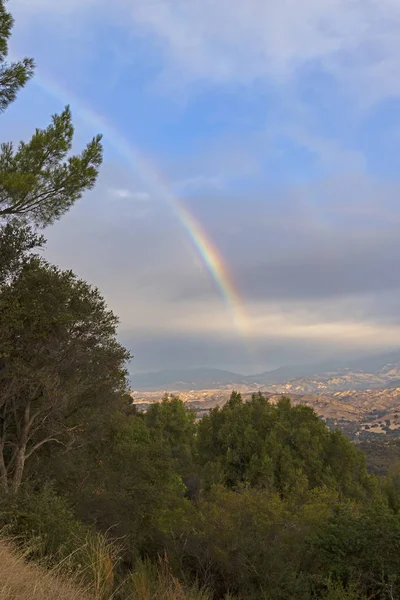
12 460
39 444
33 418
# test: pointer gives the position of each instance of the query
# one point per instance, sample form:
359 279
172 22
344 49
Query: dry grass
24 581
151 582
99 557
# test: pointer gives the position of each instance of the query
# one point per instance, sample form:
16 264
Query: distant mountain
368 364
362 374
370 372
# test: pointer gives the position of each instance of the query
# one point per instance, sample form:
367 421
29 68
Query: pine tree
39 180
13 76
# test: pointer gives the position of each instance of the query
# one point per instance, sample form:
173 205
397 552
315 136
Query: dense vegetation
254 501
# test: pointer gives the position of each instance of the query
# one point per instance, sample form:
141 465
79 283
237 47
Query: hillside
22 581
361 414
375 372
389 376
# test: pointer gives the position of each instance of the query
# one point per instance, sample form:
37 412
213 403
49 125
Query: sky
248 208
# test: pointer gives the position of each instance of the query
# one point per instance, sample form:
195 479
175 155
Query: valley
360 414
361 396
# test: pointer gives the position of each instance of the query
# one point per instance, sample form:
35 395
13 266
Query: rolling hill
359 374
360 414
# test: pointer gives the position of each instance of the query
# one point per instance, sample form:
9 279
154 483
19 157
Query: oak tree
58 355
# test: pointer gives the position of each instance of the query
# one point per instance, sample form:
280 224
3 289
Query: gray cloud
324 267
301 245
314 281
182 351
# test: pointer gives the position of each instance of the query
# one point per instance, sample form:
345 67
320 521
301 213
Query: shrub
42 522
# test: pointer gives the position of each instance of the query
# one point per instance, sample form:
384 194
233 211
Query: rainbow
205 247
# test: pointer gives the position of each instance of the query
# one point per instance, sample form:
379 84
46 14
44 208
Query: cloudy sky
273 124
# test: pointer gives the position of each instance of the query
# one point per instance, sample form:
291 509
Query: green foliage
390 485
244 542
122 480
249 542
359 546
42 523
173 425
277 447
337 591
16 245
59 356
13 76
38 182
226 543
44 527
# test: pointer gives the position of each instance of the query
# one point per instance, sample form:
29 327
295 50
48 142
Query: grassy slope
22 581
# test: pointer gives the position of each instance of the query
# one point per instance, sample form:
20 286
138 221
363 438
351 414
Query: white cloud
231 41
243 42
125 194
120 193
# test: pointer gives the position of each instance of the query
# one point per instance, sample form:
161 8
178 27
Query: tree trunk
3 470
21 453
19 469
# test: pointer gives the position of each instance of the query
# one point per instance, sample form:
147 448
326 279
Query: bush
249 542
45 529
357 545
42 522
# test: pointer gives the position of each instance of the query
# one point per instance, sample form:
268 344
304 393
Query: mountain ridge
360 373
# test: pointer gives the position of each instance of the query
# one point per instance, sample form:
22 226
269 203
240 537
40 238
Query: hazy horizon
333 362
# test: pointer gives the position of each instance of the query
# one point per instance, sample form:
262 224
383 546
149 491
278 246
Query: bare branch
39 444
